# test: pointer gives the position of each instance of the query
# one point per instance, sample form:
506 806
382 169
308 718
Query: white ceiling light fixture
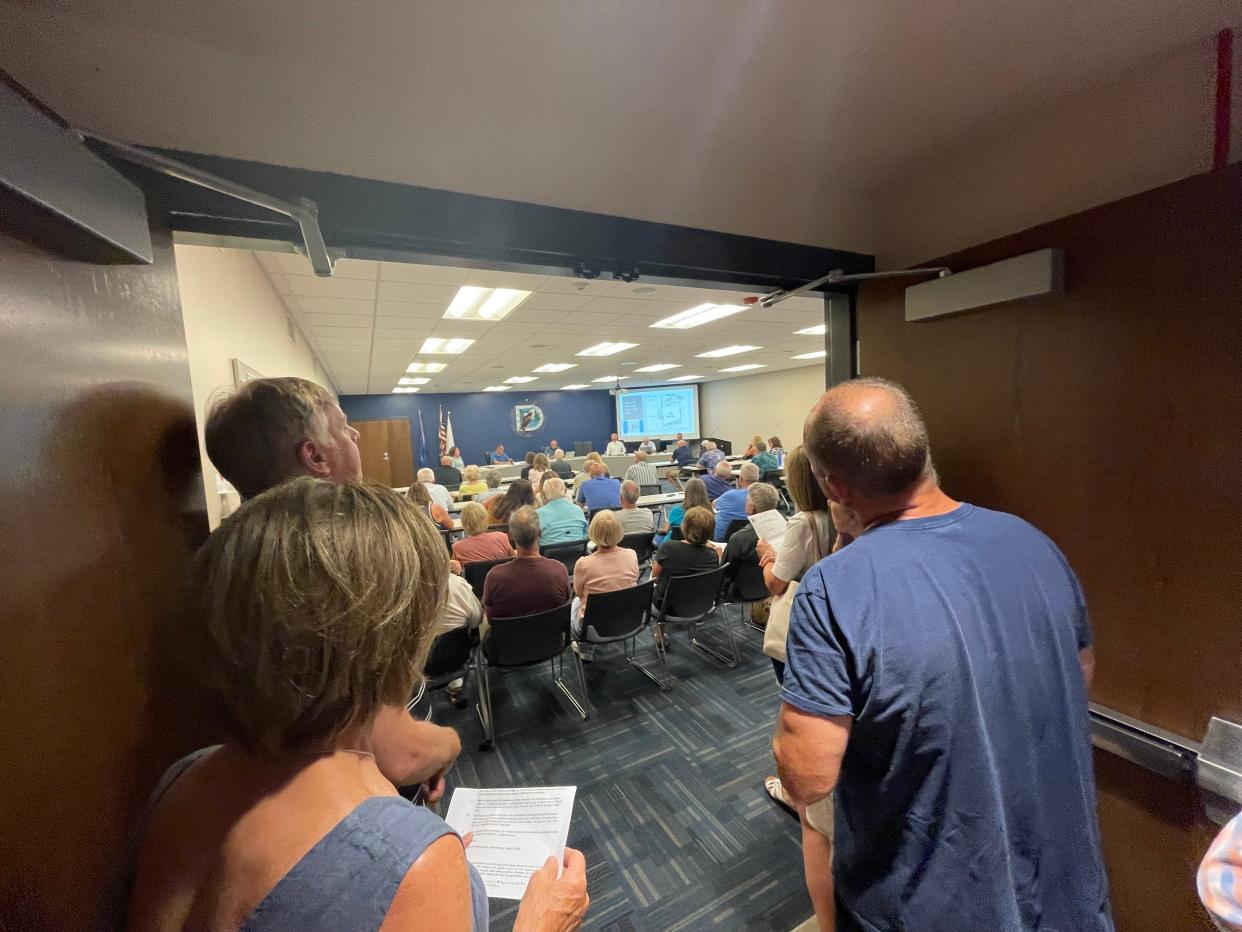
574 387
521 379
686 378
818 354
425 367
497 388
698 316
475 303
606 349
610 378
660 367
727 351
817 331
445 346
748 366
404 390
555 367
409 381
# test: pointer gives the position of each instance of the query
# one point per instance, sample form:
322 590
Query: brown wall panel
100 507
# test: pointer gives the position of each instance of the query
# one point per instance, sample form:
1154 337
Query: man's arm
1086 660
808 751
410 752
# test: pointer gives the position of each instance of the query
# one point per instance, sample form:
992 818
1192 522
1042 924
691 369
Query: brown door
386 453
1110 417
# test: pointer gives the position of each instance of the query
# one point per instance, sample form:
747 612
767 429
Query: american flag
443 435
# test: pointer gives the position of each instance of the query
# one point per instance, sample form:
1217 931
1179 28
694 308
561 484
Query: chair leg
713 652
558 679
484 707
631 657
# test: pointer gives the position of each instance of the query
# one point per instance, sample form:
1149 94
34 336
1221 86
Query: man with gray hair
731 504
719 480
491 476
641 471
439 494
936 680
711 456
742 549
559 466
634 520
529 583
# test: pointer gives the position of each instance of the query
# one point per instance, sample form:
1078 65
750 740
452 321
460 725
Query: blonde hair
418 494
605 529
698 525
552 488
474 518
593 457
696 495
541 461
319 600
800 482
470 473
756 440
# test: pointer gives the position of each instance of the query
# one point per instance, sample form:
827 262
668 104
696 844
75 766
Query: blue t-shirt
730 507
716 487
682 456
966 799
561 520
600 492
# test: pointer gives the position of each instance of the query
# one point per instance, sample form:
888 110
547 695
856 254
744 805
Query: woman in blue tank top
318 603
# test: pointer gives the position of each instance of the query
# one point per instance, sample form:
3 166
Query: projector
617 391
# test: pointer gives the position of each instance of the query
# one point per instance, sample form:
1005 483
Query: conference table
654 502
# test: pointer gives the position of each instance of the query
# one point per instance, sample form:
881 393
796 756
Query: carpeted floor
670 811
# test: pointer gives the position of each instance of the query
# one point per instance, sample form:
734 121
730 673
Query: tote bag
778 618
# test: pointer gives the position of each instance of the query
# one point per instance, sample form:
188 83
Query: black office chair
568 552
512 643
773 478
688 600
620 615
650 489
448 540
476 573
745 587
675 533
452 655
594 511
734 526
641 543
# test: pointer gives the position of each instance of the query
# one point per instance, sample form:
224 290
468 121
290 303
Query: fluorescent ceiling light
408 381
425 367
686 378
610 378
727 351
575 386
474 303
659 367
404 390
606 349
497 388
698 316
555 367
441 346
753 365
816 331
521 379
818 354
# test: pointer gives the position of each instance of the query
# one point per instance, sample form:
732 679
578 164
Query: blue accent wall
483 419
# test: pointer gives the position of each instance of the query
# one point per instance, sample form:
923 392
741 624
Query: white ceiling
777 118
368 322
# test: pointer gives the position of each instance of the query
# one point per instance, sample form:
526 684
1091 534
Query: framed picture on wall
527 418
243 373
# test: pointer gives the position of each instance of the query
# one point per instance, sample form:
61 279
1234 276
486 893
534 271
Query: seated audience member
634 520
472 482
550 450
594 457
609 567
598 491
753 447
539 465
271 430
560 520
446 474
764 458
731 504
479 544
681 455
615 447
439 494
931 644
519 495
686 557
455 457
673 475
719 480
647 446
711 455
695 497
530 464
775 448
491 478
742 547
642 472
559 466
500 456
530 583
418 494
319 602
1220 877
462 608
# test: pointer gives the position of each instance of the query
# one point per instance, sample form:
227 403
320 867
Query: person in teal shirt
696 497
560 520
764 459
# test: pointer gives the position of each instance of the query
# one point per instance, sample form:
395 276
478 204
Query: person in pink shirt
480 544
609 567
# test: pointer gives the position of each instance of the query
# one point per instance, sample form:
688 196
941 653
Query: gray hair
748 473
639 456
426 475
558 454
630 491
709 445
723 470
492 478
552 487
877 451
762 496
524 528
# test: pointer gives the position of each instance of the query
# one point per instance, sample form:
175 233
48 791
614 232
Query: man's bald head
868 434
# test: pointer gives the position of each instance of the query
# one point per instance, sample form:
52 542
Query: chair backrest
450 655
622 613
568 552
675 533
692 596
771 477
527 639
448 540
641 543
648 489
734 526
594 511
476 573
747 584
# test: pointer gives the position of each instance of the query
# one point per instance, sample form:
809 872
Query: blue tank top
349 878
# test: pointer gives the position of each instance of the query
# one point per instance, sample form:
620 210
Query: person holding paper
761 499
731 504
318 603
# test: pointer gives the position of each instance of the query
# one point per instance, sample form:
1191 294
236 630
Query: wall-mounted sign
527 419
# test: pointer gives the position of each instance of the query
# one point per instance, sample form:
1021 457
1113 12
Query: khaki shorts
819 816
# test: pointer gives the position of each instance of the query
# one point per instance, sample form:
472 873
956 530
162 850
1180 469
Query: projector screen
658 413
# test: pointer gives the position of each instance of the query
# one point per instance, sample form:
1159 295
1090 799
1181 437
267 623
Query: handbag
777 630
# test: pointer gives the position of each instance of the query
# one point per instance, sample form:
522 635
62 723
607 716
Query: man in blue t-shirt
718 481
681 455
731 504
936 679
599 491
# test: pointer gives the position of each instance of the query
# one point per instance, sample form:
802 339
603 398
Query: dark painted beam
840 337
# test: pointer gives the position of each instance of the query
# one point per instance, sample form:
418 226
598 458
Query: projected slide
658 412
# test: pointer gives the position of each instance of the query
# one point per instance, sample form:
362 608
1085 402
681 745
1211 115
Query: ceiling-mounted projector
617 389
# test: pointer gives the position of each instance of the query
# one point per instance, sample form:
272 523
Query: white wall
231 311
766 404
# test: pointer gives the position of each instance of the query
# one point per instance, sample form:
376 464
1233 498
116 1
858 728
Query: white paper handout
515 831
770 526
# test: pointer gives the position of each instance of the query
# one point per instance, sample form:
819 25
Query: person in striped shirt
642 472
1220 877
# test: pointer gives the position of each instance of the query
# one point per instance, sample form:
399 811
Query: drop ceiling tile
286 263
415 293
354 306
554 285
333 320
555 301
355 268
315 287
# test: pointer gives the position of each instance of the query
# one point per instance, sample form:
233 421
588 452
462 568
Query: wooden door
386 453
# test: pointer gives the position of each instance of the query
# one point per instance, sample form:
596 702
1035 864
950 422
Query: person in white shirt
462 608
642 472
439 494
647 446
633 519
615 447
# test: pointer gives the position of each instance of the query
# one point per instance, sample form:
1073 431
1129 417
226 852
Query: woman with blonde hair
471 482
594 457
479 544
695 497
537 468
609 567
318 602
753 448
418 494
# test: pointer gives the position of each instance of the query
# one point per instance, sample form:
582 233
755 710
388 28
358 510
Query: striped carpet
670 812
